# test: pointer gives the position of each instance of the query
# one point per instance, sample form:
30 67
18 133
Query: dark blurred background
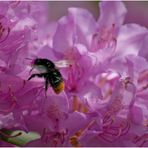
137 10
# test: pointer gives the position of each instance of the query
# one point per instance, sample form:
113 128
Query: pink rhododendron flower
104 69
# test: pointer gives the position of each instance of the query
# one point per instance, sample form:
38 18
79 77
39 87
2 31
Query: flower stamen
143 139
78 105
3 31
74 140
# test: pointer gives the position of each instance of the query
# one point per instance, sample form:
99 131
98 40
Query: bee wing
62 63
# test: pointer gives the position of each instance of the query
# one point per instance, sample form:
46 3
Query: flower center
74 76
105 38
54 137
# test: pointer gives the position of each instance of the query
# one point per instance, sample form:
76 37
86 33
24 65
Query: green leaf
20 140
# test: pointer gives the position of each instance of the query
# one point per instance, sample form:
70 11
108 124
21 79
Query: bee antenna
28 59
31 70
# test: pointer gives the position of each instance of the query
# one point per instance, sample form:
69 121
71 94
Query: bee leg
46 86
35 75
24 83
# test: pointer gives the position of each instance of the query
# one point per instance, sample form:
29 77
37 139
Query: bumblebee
50 73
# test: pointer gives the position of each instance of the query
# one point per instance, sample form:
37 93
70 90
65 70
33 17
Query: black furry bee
51 74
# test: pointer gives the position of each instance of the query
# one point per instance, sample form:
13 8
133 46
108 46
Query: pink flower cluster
106 83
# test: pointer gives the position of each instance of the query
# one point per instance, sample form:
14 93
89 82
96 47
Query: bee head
37 62
41 64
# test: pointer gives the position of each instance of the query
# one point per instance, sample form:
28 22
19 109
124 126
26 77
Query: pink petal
63 39
84 22
130 43
111 13
144 48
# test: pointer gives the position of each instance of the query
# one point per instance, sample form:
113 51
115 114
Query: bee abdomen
56 81
59 88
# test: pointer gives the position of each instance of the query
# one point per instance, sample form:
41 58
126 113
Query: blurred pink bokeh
137 10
